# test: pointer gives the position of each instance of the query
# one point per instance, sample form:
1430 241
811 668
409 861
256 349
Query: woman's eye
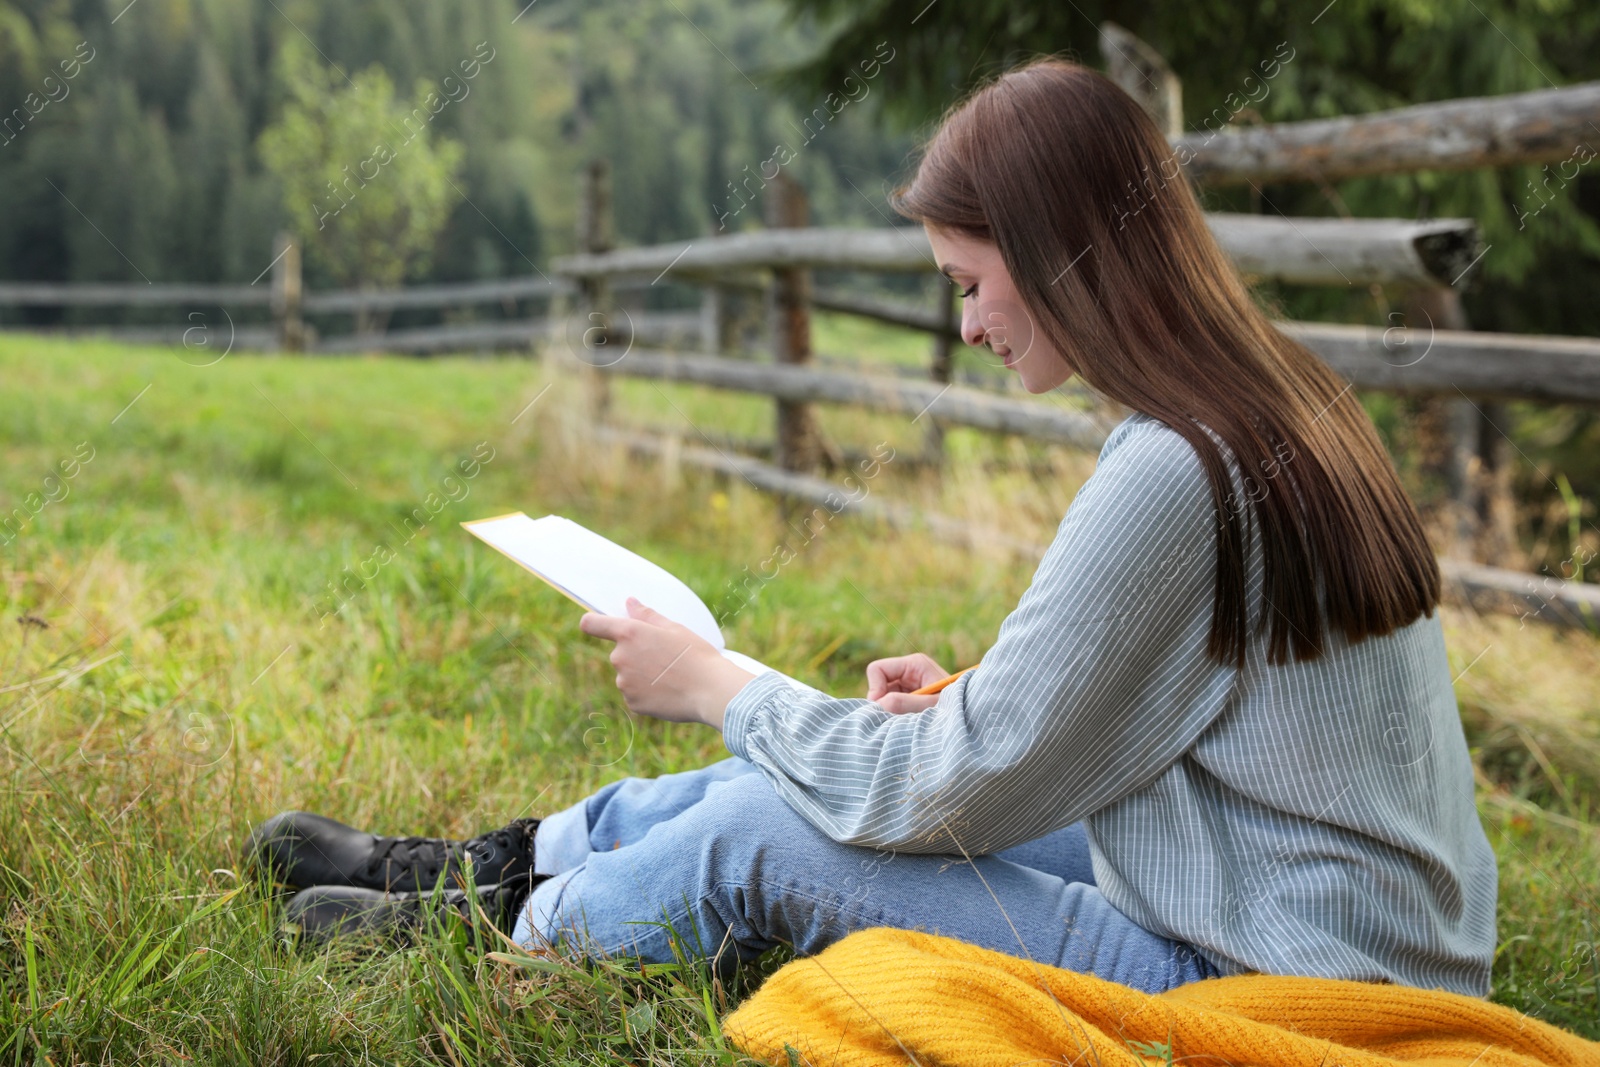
969 292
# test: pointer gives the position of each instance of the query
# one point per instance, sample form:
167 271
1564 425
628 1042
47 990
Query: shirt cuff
739 715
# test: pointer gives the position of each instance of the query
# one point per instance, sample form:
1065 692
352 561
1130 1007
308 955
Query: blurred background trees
152 166
157 144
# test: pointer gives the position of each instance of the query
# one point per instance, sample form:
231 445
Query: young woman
1217 734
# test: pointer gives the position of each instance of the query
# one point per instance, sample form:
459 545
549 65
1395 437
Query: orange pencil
934 687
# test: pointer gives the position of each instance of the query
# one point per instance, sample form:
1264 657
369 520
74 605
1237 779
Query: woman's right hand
889 681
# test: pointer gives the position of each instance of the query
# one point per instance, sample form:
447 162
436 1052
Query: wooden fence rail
1451 362
1544 126
134 294
131 294
522 334
956 404
423 296
1306 251
1417 359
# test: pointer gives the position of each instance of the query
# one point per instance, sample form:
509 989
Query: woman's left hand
664 669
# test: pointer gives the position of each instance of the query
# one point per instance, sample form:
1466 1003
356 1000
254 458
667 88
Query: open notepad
600 574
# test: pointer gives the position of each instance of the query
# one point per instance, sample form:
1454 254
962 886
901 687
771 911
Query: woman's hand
664 669
890 682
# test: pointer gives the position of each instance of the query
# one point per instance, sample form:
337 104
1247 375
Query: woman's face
992 314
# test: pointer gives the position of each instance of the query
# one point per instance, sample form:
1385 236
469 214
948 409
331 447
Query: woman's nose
973 328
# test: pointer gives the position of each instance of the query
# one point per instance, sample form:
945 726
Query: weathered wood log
1535 597
1310 251
1005 383
450 295
510 334
1304 251
850 457
1359 252
1544 126
127 294
663 327
1411 360
950 404
245 338
1550 369
888 249
1420 360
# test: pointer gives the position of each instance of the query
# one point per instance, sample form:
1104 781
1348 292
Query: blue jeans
716 855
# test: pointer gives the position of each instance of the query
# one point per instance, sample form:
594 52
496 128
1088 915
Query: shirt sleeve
1096 683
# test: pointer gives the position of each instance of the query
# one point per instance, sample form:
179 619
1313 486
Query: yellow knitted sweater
894 997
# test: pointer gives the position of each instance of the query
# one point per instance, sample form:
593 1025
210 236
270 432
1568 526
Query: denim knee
735 805
703 873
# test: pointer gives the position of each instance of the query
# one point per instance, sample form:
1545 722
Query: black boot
324 912
304 850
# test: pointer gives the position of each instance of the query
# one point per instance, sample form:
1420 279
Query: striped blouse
1310 818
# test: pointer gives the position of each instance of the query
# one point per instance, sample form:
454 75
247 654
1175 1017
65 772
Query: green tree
366 185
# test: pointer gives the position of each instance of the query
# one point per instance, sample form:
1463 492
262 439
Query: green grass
169 679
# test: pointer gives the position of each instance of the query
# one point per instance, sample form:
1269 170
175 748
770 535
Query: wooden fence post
1497 529
720 320
287 295
1143 74
941 368
718 315
713 310
798 443
593 333
1460 443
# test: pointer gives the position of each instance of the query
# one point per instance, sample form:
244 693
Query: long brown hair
1108 248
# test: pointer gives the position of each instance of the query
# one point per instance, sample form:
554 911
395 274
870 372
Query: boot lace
430 854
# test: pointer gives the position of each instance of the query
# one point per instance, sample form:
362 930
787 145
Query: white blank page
598 573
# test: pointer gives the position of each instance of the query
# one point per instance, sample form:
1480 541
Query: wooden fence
1451 363
1425 259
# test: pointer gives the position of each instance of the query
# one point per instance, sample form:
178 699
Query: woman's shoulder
1142 446
1147 478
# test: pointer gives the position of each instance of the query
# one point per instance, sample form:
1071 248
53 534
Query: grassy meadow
222 613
